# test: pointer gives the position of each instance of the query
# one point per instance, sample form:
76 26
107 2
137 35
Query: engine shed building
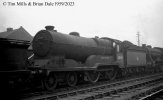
16 34
19 34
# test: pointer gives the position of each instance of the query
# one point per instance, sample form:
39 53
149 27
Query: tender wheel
111 74
93 76
50 82
71 79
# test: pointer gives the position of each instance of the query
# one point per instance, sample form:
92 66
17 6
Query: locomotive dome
74 33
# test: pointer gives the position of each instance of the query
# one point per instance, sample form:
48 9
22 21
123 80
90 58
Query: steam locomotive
62 58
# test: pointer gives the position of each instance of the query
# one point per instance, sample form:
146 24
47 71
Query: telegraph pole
138 35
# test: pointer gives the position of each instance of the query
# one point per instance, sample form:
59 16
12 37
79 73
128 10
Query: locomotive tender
60 58
13 61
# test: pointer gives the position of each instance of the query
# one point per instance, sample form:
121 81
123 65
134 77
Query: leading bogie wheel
50 82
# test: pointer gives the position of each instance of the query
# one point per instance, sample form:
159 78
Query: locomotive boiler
49 42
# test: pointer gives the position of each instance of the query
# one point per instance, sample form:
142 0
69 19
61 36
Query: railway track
114 91
153 94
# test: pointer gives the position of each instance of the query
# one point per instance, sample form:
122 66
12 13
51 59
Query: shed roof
17 34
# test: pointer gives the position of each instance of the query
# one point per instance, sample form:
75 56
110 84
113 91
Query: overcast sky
119 19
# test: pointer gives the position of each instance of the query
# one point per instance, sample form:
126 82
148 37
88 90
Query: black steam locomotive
62 58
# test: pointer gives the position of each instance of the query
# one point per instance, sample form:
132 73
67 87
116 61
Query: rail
104 91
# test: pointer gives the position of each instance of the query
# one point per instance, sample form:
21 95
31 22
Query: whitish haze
119 19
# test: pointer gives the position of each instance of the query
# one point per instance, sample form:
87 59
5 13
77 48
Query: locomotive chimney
9 29
149 46
49 27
